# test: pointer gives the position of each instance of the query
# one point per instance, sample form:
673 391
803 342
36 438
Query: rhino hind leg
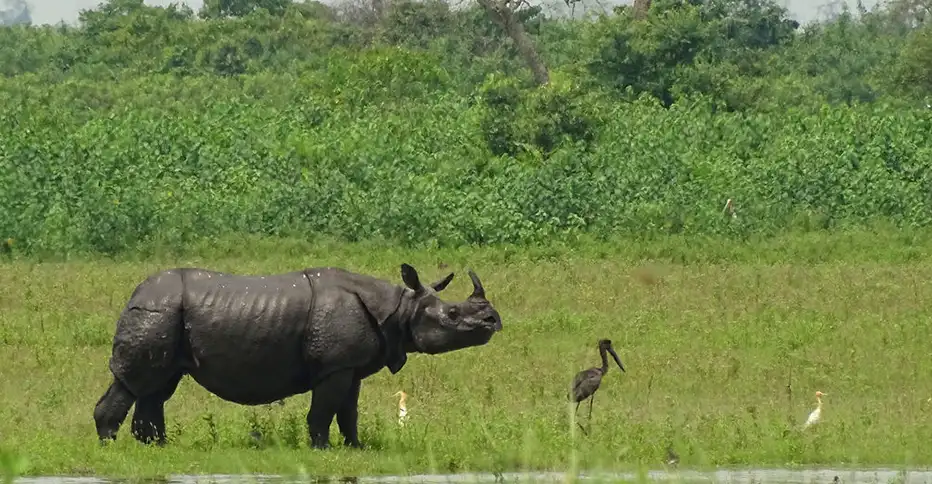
328 397
147 360
149 416
111 410
348 416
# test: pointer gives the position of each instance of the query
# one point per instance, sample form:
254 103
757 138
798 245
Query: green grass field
711 335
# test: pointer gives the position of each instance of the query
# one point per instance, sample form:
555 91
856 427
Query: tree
504 13
15 12
641 7
240 8
912 13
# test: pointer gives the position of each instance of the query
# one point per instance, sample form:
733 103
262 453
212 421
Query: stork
587 381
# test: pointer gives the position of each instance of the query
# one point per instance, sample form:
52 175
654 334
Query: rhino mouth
488 324
493 323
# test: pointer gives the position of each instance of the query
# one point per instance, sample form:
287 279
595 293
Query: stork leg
591 399
577 422
589 418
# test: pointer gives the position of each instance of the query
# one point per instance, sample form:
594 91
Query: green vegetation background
416 123
260 140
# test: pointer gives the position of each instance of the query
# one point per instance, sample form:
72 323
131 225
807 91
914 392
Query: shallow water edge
749 476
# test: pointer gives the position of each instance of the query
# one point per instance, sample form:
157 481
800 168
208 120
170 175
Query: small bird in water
402 408
672 458
816 414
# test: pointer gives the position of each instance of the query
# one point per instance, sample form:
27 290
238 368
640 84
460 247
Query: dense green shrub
420 173
149 125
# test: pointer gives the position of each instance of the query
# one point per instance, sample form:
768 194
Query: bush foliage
419 123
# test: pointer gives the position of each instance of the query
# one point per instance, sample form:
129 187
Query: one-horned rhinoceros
253 339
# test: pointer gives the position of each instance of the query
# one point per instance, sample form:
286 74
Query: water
731 476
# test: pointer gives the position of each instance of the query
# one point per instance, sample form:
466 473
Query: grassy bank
710 334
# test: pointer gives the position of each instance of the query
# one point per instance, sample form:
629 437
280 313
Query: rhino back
247 333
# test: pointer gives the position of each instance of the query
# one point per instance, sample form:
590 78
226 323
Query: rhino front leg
328 397
149 416
111 410
348 416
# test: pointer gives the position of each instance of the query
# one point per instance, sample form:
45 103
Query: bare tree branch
502 12
640 8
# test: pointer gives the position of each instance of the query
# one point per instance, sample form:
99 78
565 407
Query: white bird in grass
816 414
402 409
729 209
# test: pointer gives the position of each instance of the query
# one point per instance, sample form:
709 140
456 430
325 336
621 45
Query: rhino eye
453 313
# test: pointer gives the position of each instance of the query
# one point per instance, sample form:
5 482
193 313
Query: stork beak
617 359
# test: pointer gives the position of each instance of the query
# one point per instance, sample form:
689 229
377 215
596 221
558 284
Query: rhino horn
477 290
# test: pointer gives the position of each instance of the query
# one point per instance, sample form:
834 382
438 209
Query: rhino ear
442 284
410 277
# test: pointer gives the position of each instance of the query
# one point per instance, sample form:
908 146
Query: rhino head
438 326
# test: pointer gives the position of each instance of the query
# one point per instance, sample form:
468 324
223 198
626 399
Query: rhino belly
246 334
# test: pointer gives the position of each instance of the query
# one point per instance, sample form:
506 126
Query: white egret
729 209
402 409
816 414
